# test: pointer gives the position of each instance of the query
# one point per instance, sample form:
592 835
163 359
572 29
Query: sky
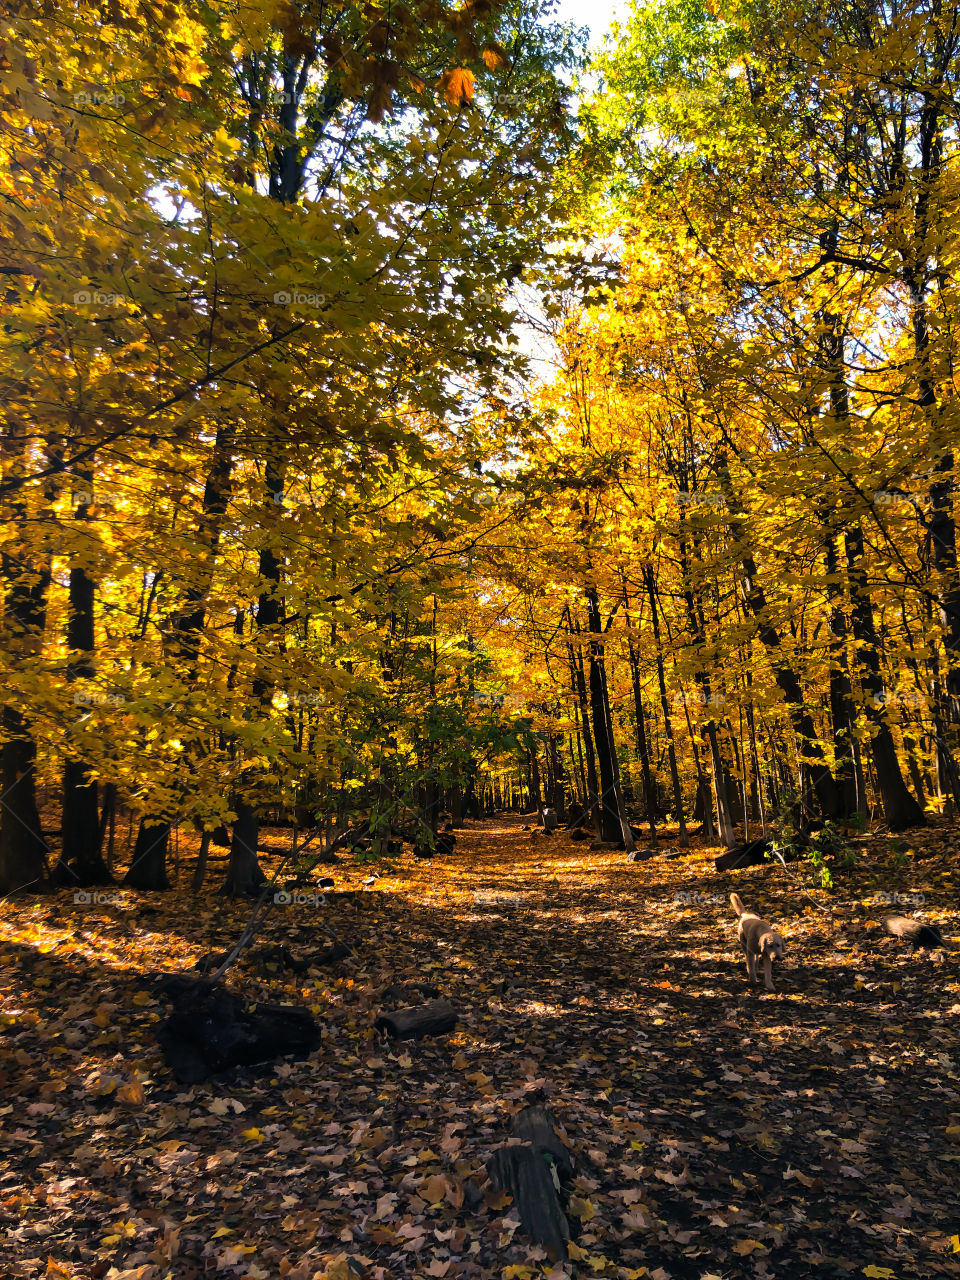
595 14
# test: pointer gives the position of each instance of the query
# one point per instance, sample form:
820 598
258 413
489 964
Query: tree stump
531 1173
536 1126
430 1019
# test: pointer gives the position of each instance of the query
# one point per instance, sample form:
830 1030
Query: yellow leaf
252 1135
879 1273
581 1209
576 1253
494 58
743 1247
953 1130
456 86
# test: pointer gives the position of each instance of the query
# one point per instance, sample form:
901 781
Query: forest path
716 1130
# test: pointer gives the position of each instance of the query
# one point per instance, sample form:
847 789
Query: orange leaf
456 86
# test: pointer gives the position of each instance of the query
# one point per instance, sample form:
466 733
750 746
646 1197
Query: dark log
915 931
752 854
578 833
338 951
210 1031
605 846
414 990
642 855
430 1019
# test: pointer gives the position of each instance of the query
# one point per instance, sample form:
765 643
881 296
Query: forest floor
717 1131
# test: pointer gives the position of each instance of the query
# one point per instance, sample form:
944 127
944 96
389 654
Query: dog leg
768 973
751 965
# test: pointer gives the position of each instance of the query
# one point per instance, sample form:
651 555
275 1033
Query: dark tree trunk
23 850
25 579
852 799
610 825
81 860
649 804
900 809
148 865
244 874
558 792
580 688
665 707
811 752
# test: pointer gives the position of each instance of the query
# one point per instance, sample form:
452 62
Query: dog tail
737 904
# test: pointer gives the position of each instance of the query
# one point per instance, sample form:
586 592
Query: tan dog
757 938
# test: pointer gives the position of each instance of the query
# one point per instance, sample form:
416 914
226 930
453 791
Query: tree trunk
611 827
649 804
665 707
900 809
580 689
149 861
81 860
245 876
811 752
25 579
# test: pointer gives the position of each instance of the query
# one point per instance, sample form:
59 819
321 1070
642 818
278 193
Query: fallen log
642 855
751 854
430 1019
210 1031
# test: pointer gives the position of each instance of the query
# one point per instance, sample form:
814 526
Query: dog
758 938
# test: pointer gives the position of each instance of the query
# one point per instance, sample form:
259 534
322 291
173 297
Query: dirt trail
716 1130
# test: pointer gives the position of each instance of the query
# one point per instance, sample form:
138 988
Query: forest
465 491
